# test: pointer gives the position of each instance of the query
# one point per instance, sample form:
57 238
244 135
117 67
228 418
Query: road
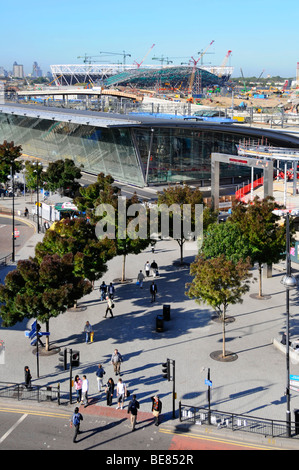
36 427
25 231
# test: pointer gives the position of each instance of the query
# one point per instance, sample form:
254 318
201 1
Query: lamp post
289 282
37 194
13 212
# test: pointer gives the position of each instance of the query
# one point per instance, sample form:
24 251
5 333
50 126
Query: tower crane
162 60
138 64
118 53
195 62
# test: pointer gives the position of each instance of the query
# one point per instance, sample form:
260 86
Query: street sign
17 233
294 377
208 382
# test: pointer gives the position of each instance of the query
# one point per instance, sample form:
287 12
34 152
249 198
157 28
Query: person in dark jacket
133 409
109 391
76 419
28 377
153 291
156 408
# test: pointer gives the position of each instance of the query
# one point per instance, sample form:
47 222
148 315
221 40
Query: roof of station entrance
169 77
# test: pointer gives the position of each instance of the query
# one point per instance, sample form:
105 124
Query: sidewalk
254 384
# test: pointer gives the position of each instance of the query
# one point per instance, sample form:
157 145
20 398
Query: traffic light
75 358
166 370
62 358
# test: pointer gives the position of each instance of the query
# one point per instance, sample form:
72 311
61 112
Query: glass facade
180 154
162 154
107 150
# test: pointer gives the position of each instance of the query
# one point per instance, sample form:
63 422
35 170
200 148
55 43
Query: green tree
225 239
219 282
62 175
78 237
41 290
180 195
34 176
9 164
265 237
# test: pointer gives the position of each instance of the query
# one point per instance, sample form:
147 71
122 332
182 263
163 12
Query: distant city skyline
260 34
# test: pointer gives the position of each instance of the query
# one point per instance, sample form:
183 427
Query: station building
134 149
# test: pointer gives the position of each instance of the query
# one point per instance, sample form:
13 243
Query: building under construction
146 77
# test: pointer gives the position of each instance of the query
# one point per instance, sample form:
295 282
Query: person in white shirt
85 387
121 393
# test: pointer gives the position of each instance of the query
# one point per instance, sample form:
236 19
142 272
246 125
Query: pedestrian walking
76 420
121 393
140 278
110 306
85 388
28 377
100 377
78 388
103 290
147 268
153 291
26 212
88 331
154 268
133 409
116 360
109 391
111 291
156 409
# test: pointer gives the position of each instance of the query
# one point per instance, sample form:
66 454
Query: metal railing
236 422
36 393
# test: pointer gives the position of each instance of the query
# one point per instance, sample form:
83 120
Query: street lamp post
13 212
289 282
37 195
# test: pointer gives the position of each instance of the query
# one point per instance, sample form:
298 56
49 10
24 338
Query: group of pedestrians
133 408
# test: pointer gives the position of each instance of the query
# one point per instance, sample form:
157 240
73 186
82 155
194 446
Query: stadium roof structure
175 77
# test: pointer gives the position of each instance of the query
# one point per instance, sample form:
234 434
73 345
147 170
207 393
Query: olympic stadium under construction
148 77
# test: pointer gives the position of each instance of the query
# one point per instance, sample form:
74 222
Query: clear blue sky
262 34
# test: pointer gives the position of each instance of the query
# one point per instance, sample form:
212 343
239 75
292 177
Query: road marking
2 226
35 413
13 428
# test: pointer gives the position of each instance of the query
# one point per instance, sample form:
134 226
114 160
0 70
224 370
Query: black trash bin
166 312
159 323
296 413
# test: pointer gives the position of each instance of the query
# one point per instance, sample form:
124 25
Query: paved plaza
253 384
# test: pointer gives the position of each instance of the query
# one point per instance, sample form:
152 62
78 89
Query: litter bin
296 413
166 312
159 323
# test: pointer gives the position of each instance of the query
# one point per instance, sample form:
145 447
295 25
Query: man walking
76 419
100 375
116 360
133 409
153 291
109 308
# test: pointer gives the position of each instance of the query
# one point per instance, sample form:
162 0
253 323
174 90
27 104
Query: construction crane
118 53
162 60
87 58
195 62
138 64
228 54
